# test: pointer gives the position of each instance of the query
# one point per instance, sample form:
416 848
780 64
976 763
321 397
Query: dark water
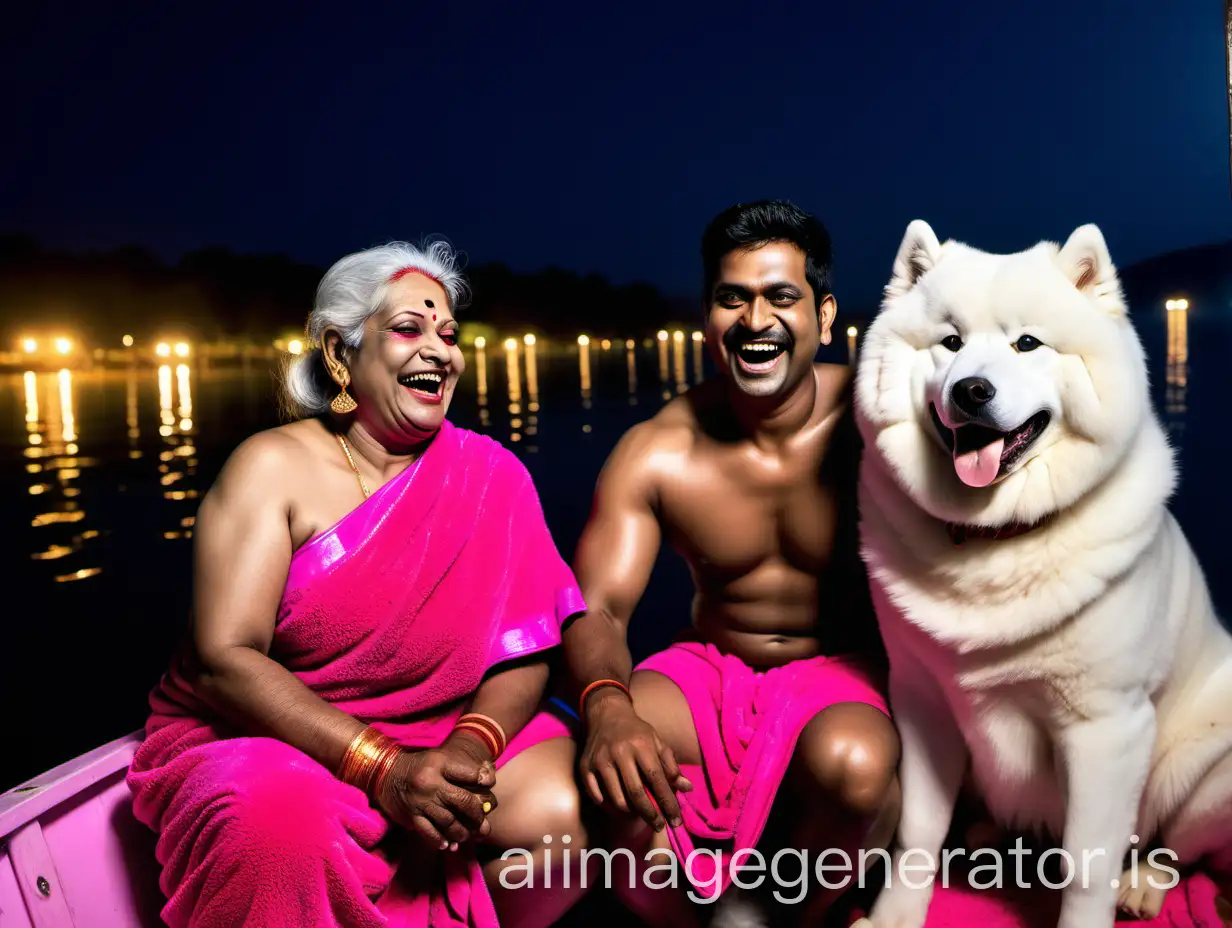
103 471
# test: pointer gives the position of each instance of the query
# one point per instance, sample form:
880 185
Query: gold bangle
368 760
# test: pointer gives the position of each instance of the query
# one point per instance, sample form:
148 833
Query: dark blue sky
603 137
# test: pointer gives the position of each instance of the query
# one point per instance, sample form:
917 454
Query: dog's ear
917 255
1086 261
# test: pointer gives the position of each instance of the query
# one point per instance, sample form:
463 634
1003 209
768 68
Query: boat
72 855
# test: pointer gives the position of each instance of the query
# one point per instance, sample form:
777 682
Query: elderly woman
357 731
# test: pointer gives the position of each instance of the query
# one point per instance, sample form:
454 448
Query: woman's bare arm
241 557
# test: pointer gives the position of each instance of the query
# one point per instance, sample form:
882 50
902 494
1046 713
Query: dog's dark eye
1027 343
951 343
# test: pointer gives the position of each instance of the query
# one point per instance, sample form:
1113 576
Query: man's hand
440 793
626 756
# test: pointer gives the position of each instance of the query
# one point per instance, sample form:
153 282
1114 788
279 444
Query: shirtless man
751 477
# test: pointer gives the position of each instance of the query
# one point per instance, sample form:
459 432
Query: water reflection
699 369
678 368
1176 374
584 368
513 374
662 337
532 388
631 365
55 468
481 380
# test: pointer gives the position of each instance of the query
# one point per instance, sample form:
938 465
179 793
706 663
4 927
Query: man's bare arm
615 556
613 563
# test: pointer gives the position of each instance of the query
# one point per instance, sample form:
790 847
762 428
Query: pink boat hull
71 853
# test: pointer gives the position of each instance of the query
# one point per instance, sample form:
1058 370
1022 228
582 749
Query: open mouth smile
426 385
982 454
759 357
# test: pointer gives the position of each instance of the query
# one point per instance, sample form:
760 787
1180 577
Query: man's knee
849 754
550 814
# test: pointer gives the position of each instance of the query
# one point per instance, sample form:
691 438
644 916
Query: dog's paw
1140 899
900 907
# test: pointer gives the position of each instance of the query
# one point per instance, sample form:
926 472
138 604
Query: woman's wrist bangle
596 685
480 735
367 761
478 722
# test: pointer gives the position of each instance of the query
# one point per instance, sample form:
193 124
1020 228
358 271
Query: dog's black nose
971 393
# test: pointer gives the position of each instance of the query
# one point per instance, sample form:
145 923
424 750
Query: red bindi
434 317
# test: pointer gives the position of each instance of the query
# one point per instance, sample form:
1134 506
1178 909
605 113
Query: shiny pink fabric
393 615
747 724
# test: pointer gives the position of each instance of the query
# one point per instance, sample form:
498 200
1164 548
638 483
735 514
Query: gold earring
343 402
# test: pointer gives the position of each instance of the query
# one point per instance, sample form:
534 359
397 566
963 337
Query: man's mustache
738 334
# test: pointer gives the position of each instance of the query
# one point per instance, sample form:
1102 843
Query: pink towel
747 724
393 615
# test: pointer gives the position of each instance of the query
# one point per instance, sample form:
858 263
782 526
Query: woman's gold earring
343 402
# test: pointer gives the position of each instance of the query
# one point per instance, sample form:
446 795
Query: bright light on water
63 345
30 345
529 339
181 349
163 350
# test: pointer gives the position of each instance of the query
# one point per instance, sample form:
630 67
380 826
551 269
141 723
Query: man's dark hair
752 225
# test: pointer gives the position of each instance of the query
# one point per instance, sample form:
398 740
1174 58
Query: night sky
602 137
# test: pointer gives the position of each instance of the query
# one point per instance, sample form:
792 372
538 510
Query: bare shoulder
266 465
669 433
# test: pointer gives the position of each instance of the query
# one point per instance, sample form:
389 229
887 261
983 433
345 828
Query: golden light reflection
181 349
63 346
631 367
53 553
83 574
1176 377
662 337
852 332
699 368
163 350
481 379
678 368
32 409
513 376
29 345
584 368
130 406
53 518
68 426
184 385
295 346
165 398
532 368
127 341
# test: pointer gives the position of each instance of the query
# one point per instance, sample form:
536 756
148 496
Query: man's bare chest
733 517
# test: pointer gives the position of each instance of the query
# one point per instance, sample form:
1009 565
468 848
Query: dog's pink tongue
979 468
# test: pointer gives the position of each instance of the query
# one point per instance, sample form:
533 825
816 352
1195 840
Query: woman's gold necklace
358 476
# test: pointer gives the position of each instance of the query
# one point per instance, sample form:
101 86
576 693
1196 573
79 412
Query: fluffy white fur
1079 668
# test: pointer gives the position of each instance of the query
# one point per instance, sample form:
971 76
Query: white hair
351 291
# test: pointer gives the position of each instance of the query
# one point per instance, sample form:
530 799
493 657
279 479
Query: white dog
1045 618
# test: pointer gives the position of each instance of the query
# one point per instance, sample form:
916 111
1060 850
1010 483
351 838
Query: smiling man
778 682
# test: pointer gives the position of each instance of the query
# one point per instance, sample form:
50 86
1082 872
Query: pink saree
393 615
